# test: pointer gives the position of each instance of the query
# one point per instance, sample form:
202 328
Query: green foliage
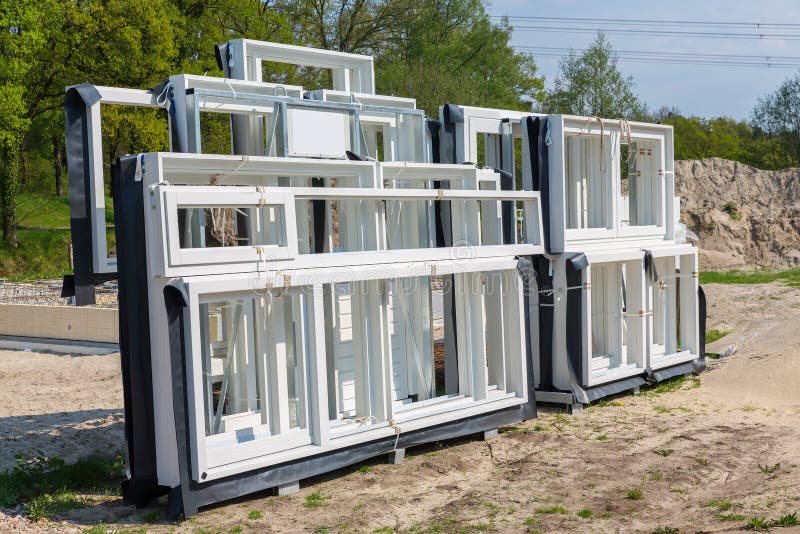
730 517
712 335
758 524
788 520
585 513
664 452
720 504
733 210
591 84
769 469
666 530
790 277
778 116
44 482
47 505
634 494
666 386
315 500
255 514
552 510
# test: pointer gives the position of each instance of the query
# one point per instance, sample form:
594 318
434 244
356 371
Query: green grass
315 500
47 505
585 513
151 517
666 530
769 469
364 469
666 386
552 510
664 452
46 485
656 476
634 494
602 437
757 524
720 504
254 515
730 517
790 277
788 520
712 335
43 238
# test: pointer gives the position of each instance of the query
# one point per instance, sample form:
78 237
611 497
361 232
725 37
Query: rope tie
163 98
217 180
603 165
262 200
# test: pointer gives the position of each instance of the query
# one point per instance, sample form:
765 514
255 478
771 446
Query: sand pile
745 217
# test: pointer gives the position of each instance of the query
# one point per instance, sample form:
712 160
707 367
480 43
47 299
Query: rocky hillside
745 217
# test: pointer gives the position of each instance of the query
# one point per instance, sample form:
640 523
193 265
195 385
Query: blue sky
705 90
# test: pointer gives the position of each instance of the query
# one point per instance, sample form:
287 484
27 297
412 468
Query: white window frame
259 453
636 313
683 305
351 72
101 262
561 127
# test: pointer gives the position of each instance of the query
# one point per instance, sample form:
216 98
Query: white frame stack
166 180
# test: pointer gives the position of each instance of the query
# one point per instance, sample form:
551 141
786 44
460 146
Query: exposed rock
745 217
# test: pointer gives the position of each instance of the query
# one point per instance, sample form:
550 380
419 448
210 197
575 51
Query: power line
660 53
667 33
688 61
651 22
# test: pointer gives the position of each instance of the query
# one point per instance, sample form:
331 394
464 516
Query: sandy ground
742 413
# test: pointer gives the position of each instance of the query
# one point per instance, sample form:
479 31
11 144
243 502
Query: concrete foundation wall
60 322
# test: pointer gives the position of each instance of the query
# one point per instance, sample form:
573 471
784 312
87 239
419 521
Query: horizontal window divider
279 278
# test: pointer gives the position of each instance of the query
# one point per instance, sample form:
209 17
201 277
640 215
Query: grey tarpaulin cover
76 115
134 334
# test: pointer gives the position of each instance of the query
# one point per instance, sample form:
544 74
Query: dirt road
692 459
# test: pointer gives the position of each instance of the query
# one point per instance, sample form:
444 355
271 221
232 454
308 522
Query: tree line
436 51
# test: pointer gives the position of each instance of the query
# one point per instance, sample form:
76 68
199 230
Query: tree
451 52
21 31
778 115
591 84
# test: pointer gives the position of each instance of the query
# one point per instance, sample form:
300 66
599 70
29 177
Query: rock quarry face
745 217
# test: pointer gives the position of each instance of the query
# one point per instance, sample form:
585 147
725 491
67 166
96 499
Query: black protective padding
546 311
507 207
77 123
134 334
178 143
574 268
68 282
221 55
675 370
540 172
434 131
451 115
318 218
587 395
650 270
193 495
702 318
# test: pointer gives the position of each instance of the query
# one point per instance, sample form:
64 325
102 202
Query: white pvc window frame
634 331
477 397
101 262
676 309
350 72
166 201
563 128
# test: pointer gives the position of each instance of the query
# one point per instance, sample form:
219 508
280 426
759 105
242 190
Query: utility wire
760 57
687 61
667 33
654 22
